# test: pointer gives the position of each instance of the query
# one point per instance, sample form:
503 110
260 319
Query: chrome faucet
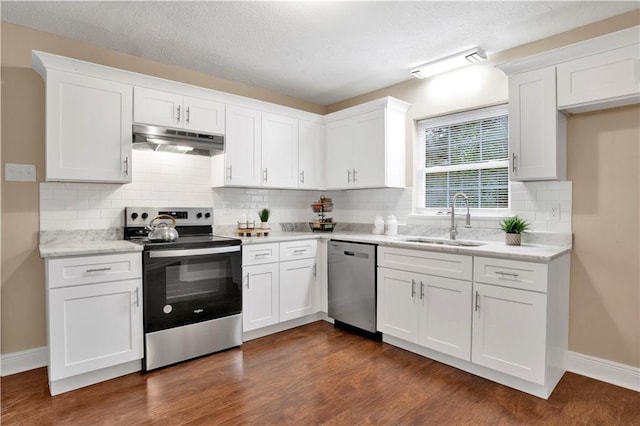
453 231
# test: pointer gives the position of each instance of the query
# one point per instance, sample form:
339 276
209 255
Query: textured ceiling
322 52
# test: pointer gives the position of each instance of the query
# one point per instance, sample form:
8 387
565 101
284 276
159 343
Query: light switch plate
19 172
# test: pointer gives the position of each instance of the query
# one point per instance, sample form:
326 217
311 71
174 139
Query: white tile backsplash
166 179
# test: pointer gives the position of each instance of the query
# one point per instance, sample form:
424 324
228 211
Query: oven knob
207 215
167 309
134 216
199 215
145 215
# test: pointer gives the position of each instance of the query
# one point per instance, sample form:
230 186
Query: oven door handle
192 252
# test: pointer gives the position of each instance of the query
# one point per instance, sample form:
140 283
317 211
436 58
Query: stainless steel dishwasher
352 285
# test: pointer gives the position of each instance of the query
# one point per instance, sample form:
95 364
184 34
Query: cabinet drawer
260 253
71 271
511 273
292 250
426 262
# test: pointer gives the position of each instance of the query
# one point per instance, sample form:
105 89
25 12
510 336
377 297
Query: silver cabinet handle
507 274
137 299
354 176
230 174
348 176
421 290
88 271
265 174
299 251
315 270
126 166
477 301
178 118
514 167
413 288
188 114
248 281
302 177
261 255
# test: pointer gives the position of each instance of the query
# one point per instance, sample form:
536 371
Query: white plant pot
264 225
513 239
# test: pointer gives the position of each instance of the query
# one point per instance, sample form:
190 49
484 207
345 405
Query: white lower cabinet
432 311
509 331
280 283
298 288
509 325
94 318
260 297
94 326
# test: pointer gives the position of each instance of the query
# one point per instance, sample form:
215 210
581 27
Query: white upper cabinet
605 79
537 131
279 151
310 155
366 146
241 163
169 109
88 122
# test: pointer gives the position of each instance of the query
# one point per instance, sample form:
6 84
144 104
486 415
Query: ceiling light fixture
449 63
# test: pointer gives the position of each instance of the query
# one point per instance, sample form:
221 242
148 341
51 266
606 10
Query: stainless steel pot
162 231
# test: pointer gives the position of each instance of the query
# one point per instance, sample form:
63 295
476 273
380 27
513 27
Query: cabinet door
203 115
534 143
243 147
94 326
339 159
279 151
445 316
298 288
398 304
89 134
369 150
158 107
600 78
310 155
509 331
260 298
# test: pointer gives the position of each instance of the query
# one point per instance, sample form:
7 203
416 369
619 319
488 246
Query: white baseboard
604 370
17 362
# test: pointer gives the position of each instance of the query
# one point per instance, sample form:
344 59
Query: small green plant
264 215
514 225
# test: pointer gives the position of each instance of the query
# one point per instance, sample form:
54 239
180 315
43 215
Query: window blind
465 152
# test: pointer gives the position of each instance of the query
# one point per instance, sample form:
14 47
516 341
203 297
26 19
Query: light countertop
526 252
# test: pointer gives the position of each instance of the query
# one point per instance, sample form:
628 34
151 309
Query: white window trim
419 154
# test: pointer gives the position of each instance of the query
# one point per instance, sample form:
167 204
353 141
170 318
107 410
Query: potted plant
513 226
264 217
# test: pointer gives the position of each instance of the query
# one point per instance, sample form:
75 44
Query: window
465 152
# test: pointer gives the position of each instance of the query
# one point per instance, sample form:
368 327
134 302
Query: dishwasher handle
356 254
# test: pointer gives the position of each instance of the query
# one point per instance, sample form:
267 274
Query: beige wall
22 309
604 165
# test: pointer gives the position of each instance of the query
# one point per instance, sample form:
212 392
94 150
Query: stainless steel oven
192 288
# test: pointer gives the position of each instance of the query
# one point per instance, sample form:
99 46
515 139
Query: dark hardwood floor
314 374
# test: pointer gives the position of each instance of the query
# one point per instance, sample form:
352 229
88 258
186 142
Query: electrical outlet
19 172
554 212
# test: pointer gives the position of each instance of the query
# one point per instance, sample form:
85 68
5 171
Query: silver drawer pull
88 271
300 251
508 274
261 255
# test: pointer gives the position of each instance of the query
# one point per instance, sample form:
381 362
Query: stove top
194 226
192 241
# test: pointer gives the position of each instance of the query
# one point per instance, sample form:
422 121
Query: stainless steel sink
442 242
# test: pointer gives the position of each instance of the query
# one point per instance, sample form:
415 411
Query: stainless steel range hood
166 139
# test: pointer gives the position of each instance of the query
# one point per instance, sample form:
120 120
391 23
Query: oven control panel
184 216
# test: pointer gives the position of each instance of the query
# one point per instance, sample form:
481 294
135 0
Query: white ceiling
322 52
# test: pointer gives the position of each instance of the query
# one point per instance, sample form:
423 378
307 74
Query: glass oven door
185 286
